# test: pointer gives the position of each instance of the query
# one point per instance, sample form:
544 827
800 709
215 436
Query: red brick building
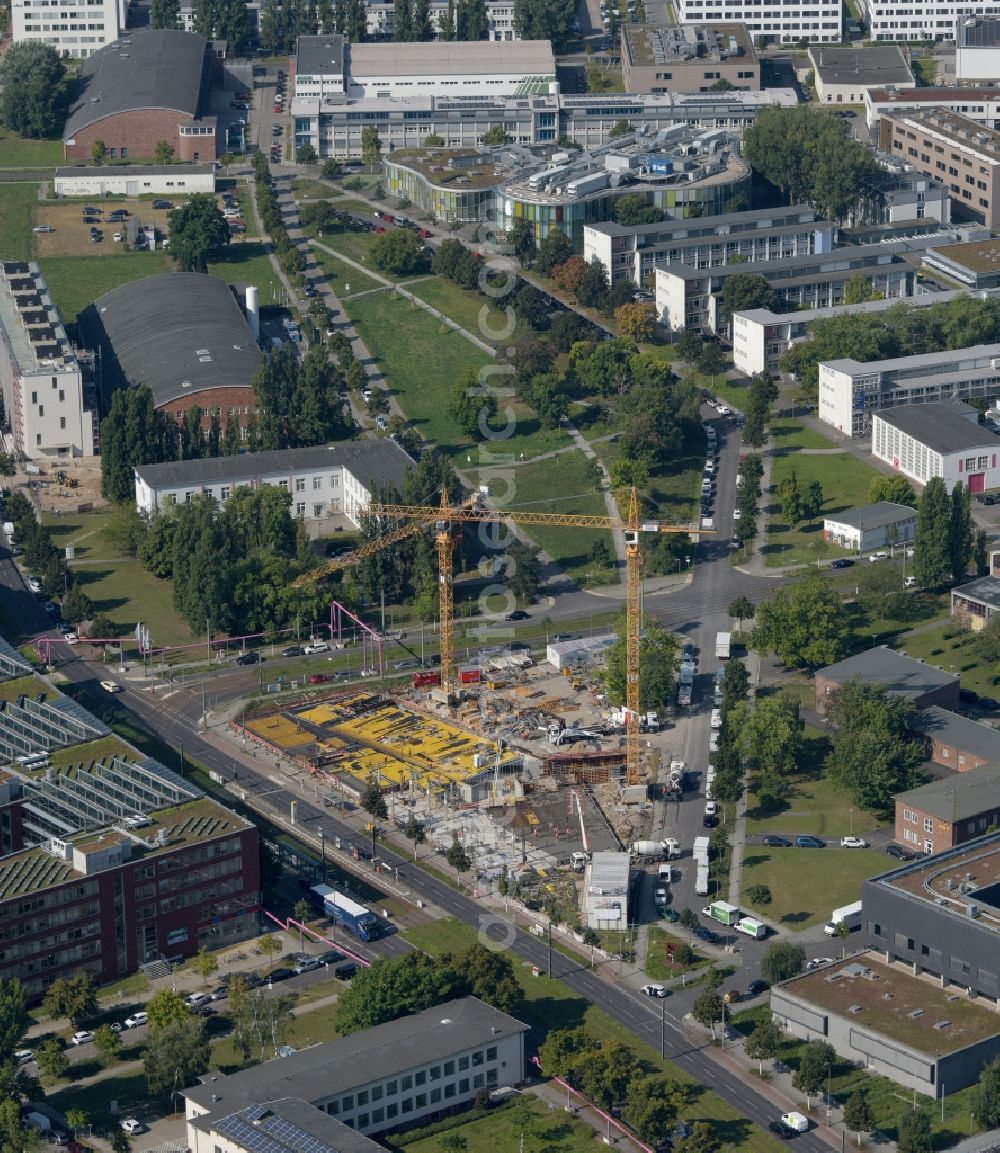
150 86
949 812
955 741
897 673
184 335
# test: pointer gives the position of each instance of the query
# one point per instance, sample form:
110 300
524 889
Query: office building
606 889
330 485
873 526
977 44
892 196
921 22
898 674
956 741
959 152
419 1067
979 104
659 58
135 180
761 337
75 28
975 603
183 335
939 917
691 298
890 1019
843 75
631 253
50 403
851 392
820 22
537 118
133 94
942 439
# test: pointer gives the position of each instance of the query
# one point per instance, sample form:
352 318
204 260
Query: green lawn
524 1125
76 281
127 593
658 967
85 531
676 493
355 246
247 263
16 203
92 751
603 80
305 189
806 884
790 434
845 481
17 152
340 275
462 306
551 1005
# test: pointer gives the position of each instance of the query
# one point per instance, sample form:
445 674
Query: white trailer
700 850
723 646
701 880
849 915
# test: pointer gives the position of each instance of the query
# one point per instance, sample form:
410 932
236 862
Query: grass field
246 262
85 531
76 281
845 481
355 246
790 434
340 276
806 884
17 152
551 1005
464 307
954 652
127 593
524 1125
17 201
658 968
92 751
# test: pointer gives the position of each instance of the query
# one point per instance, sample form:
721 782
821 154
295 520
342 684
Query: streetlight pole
829 1100
322 849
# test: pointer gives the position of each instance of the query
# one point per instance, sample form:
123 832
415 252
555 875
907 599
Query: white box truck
849 915
723 646
722 912
701 880
699 850
752 928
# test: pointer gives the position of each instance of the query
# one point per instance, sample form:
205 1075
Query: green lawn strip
102 749
356 246
127 593
342 278
953 650
845 481
128 1089
549 1004
732 392
18 152
806 884
790 434
16 204
246 262
465 308
305 189
887 1099
84 531
676 493
76 281
658 968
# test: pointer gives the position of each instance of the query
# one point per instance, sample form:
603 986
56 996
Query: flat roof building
890 1020
852 392
289 1125
820 22
977 602
939 916
631 253
690 298
135 180
961 153
898 674
417 1067
659 58
606 891
50 402
950 811
873 526
134 93
971 264
184 336
843 75
956 741
330 485
937 21
938 439
979 104
977 44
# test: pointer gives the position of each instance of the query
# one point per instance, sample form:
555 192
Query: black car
755 988
780 1129
709 820
899 852
248 659
280 974
330 957
162 204
843 562
706 935
518 615
293 651
777 842
810 842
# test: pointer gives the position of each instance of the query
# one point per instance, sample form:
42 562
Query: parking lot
70 235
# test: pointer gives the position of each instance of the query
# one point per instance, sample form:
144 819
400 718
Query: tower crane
475 511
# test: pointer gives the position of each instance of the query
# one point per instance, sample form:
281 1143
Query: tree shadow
795 918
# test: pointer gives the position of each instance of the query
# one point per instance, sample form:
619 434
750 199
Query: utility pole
550 950
663 1028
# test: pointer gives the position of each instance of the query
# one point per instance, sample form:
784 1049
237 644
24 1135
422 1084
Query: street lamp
829 1101
322 849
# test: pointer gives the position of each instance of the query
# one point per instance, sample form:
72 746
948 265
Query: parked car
82 1037
716 721
196 1000
162 204
249 659
23 1056
853 843
518 615
320 679
841 562
133 1127
707 935
282 973
136 1020
900 853
307 964
667 914
42 228
755 988
316 647
655 990
111 687
776 842
293 651
330 957
810 842
876 556
818 963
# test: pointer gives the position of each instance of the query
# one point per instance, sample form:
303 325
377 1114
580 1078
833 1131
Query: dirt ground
51 496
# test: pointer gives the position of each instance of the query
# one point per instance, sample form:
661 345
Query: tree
744 290
473 405
932 561
763 1043
399 251
707 1009
14 1019
119 1141
177 1059
555 249
522 239
782 961
634 209
741 609
108 1044
458 858
268 944
651 1108
496 135
77 606
165 1007
198 232
985 1096
415 833
981 552
164 152
858 1114
165 13
306 154
620 128
960 534
895 489
205 964
759 895
53 1063
77 1119
637 321
34 90
806 626
72 997
371 147
372 800
816 1056
858 289
99 153
701 1139
914 1133
768 735
657 651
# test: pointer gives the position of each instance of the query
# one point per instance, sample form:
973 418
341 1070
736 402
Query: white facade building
48 400
135 180
926 440
887 21
606 885
819 21
979 104
73 27
851 392
871 526
329 485
378 1079
977 44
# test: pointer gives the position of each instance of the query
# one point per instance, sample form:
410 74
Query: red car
319 679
